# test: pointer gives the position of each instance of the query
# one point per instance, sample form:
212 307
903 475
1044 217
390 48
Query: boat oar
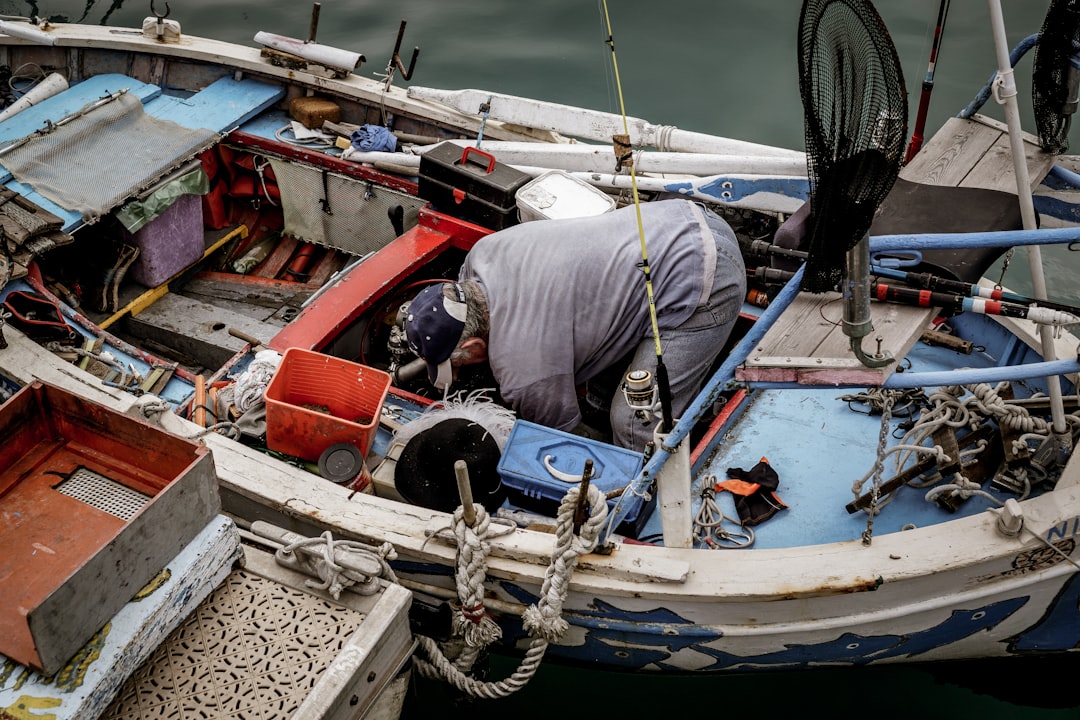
928 85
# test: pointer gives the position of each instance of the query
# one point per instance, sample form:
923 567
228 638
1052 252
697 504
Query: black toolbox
470 184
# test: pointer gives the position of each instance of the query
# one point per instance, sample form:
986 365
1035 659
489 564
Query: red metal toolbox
470 184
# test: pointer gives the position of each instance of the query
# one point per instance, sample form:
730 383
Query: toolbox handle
559 474
465 157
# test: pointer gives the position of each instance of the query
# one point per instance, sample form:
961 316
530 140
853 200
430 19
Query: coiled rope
951 409
543 621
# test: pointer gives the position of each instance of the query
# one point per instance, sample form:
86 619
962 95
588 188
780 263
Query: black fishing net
855 104
1058 40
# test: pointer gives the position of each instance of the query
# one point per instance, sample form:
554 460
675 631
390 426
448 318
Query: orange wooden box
93 505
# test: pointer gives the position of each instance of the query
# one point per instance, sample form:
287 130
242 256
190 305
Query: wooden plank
951 153
807 344
221 106
995 169
975 152
197 330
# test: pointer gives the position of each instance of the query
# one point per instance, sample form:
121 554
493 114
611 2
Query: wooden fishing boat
229 260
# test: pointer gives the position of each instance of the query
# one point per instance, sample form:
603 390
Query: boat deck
807 343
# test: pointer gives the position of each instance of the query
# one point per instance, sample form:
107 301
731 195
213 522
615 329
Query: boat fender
755 492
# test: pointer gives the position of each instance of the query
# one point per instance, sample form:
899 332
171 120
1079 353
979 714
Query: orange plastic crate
315 401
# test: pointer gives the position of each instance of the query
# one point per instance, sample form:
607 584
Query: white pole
1005 90
673 495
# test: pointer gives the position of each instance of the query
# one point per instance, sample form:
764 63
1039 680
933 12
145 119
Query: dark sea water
716 66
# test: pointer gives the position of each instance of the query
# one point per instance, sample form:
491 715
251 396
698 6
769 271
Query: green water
722 67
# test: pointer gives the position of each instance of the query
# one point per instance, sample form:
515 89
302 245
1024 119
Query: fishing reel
640 392
404 365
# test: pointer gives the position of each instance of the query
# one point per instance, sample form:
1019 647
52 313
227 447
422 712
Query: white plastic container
557 194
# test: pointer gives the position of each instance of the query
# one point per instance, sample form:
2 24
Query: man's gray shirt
568 297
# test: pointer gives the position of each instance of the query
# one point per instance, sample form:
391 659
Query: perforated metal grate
103 493
253 649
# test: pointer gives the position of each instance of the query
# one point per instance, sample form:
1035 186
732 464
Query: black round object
340 463
424 474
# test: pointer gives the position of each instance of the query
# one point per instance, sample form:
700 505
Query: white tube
322 54
26 31
52 84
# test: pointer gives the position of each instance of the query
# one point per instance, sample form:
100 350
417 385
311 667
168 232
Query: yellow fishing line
633 186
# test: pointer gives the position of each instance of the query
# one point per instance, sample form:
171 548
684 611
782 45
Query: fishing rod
955 303
951 303
934 282
928 84
663 385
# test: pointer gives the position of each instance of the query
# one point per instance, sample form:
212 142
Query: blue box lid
543 462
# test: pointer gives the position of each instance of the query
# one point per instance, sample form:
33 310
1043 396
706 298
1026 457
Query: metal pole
1005 86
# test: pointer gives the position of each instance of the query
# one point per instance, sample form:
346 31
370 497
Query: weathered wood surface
975 153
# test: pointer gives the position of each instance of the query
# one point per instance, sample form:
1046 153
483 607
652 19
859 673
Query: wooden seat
807 343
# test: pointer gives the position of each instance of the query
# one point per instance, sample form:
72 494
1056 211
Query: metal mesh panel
103 493
103 154
253 649
358 221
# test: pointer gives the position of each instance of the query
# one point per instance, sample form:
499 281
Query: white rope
709 523
543 621
250 386
471 620
949 410
333 577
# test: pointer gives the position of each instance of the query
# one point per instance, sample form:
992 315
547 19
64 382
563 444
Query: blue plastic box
537 460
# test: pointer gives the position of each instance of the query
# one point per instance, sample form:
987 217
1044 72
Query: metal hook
160 18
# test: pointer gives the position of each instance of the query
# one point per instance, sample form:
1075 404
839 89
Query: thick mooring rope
543 621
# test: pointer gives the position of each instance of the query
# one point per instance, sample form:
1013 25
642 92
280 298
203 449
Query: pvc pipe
592 124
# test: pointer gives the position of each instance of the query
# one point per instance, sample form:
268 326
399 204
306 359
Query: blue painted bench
221 107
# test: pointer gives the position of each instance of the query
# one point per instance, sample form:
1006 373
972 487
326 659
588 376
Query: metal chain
879 464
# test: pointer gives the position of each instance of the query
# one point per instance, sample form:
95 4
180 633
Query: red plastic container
315 401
